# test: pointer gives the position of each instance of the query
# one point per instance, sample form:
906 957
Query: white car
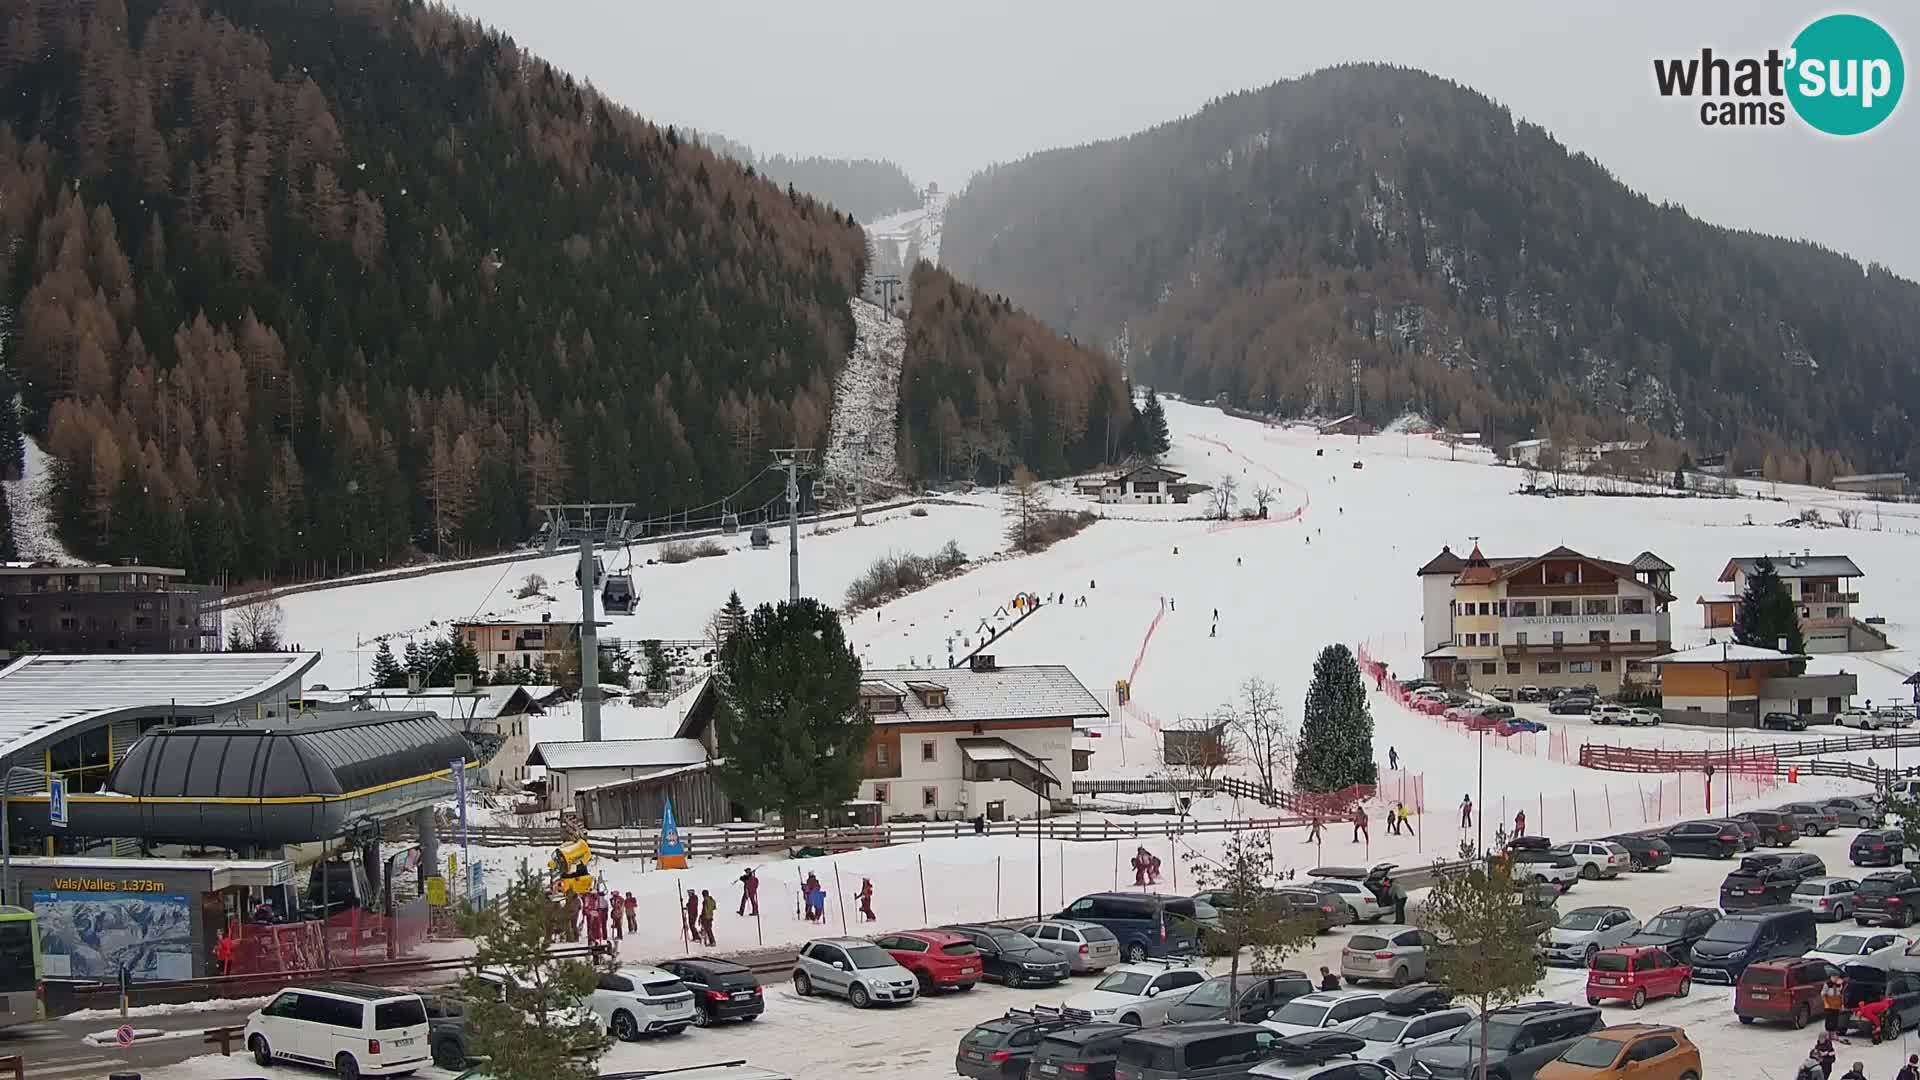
1391 1037
1874 948
1864 719
1359 899
1642 718
1608 714
1584 931
1597 859
352 1029
636 1001
1138 994
1324 1009
1544 867
1894 716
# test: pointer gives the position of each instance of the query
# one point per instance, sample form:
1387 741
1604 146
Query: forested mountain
303 284
866 188
1476 269
984 386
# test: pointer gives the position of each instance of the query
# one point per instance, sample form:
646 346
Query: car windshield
1097 933
1379 1028
869 956
1667 924
1845 944
1012 942
1592 1052
1875 887
1581 920
1303 1013
1810 888
1610 961
1125 982
1500 1032
1733 931
1212 994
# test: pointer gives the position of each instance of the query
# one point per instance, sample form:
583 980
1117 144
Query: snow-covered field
30 501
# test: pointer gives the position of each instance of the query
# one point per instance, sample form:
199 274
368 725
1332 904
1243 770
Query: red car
1635 974
941 960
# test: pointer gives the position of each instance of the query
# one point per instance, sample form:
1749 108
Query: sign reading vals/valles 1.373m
127 885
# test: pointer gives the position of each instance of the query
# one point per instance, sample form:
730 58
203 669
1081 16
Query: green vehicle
21 1000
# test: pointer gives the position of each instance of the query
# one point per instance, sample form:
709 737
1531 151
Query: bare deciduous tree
256 628
1225 493
1263 496
1258 721
530 586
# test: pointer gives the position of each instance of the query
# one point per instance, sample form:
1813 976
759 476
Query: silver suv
1395 954
1584 931
860 971
1085 946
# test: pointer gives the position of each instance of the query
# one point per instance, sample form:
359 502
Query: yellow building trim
278 800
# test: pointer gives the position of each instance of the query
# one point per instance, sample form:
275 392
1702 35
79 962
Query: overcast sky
946 89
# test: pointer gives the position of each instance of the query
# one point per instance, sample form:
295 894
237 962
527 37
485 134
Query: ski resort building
1557 619
979 740
106 609
1146 484
1727 683
1823 592
513 643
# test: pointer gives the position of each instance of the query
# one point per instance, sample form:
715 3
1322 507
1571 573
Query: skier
865 896
1466 811
1140 866
1236 560
1393 823
707 907
1313 831
1360 824
1153 869
1176 549
1170 603
633 913
1406 824
811 892
1216 614
749 892
693 915
613 914
1520 823
1214 631
1393 759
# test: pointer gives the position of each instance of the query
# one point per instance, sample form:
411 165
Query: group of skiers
601 915
813 899
1146 867
1820 1062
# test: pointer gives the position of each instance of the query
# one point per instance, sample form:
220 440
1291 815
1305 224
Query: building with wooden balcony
514 643
1557 619
1823 592
1725 683
973 741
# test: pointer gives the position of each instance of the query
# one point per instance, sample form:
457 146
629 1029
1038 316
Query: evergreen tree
449 656
1679 478
1486 929
1336 729
1767 615
656 662
1153 439
792 734
387 673
732 617
537 1027
13 448
414 661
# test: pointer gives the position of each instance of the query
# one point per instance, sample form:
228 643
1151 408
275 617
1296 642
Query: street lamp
1726 673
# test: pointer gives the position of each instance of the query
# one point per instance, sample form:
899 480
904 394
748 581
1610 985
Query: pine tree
1767 615
1153 438
792 734
535 1027
387 673
1336 729
657 662
1485 928
415 661
732 617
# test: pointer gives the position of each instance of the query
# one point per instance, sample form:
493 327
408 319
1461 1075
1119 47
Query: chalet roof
1796 566
1149 472
618 754
1444 563
1717 653
485 703
1648 561
1038 692
1476 570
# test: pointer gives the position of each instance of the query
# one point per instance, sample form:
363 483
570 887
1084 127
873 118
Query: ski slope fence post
996 886
920 864
1060 862
839 895
1116 866
1576 810
759 928
1608 792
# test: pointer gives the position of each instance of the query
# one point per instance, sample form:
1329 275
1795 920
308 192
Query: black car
1649 851
1784 721
1775 828
1749 833
1520 1039
1676 930
1000 1048
1758 883
447 1040
722 990
1572 704
1867 983
1327 911
1416 999
1748 937
1814 819
1890 897
1705 839
1081 1052
1862 813
1013 958
1877 847
1259 996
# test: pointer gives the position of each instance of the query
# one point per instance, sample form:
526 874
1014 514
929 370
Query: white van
352 1029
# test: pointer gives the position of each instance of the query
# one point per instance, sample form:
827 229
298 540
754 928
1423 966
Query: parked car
1501 693
1704 839
354 1030
1144 924
1785 990
1874 948
1003 1047
1260 996
940 959
1393 954
1891 897
1353 885
1329 908
1139 994
1520 1039
635 1001
1813 819
1676 929
1583 932
1392 1038
1783 721
1315 1055
1748 937
1894 716
1829 898
1649 851
1640 1051
1529 693
1086 946
1081 1052
1608 713
1010 957
1901 989
1776 829
1518 725
1757 883
722 989
1634 974
1210 1051
860 971
1877 847
1862 813
1570 705
1410 685
1857 716
1544 867
1640 716
1597 858
1749 833
1324 1009
447 1042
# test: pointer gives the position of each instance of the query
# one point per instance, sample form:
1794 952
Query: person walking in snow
1213 631
1520 823
1466 811
1360 824
693 915
749 892
1393 759
865 896
633 913
707 907
1170 606
1313 829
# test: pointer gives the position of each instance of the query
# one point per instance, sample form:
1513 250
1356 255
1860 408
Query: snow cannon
569 867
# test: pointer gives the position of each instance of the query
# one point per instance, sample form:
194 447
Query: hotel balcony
1597 648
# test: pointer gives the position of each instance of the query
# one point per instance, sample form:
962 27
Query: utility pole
795 461
589 645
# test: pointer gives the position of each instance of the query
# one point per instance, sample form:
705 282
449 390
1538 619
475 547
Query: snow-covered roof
642 776
618 754
1037 692
985 749
1444 563
1796 566
42 697
1718 653
1869 478
484 703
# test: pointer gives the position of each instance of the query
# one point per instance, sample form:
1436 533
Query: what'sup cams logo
1842 75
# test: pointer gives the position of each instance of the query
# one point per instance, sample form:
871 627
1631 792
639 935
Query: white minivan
354 1030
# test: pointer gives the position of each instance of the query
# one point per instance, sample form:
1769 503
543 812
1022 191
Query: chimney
546 616
413 682
463 684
